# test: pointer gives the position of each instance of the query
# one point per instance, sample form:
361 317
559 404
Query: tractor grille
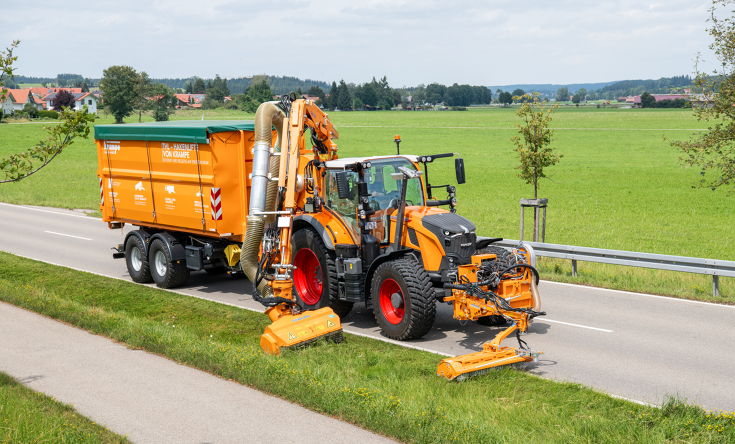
462 245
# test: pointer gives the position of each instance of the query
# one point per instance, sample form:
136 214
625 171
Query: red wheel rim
390 292
308 276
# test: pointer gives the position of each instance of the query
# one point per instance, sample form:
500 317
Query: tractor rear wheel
315 277
403 299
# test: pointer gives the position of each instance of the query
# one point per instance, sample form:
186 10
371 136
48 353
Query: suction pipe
262 190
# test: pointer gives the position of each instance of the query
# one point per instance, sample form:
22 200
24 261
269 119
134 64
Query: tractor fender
175 248
381 259
304 221
144 237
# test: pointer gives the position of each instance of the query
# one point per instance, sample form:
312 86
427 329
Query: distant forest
279 85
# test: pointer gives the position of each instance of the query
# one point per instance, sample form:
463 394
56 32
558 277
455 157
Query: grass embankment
383 387
30 417
619 185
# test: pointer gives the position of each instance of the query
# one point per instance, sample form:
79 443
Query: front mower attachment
297 331
493 355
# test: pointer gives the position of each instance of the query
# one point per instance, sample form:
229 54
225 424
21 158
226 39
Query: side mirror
343 186
459 169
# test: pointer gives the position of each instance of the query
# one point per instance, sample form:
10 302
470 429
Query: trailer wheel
136 260
315 277
403 299
165 272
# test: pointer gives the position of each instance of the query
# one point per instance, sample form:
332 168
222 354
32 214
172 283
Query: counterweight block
297 331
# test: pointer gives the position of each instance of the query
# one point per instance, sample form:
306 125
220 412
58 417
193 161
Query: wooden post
537 205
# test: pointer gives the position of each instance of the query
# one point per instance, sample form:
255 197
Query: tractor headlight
447 233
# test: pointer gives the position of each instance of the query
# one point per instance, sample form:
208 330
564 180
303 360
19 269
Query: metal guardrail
713 267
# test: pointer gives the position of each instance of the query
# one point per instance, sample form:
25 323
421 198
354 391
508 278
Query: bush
30 110
459 108
48 114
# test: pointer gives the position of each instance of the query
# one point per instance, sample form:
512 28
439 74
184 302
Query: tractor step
292 332
474 364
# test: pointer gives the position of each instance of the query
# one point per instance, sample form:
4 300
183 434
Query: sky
411 42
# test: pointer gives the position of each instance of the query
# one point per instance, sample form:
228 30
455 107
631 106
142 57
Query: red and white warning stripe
102 193
216 204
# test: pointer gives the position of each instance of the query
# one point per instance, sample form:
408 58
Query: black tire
416 299
137 261
307 239
165 272
216 270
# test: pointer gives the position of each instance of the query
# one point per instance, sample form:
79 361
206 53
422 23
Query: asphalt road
631 345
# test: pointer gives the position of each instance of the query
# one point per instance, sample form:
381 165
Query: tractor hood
456 234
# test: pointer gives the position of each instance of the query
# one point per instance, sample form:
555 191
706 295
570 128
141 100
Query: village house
80 99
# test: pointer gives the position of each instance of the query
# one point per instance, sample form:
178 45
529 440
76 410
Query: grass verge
382 387
31 417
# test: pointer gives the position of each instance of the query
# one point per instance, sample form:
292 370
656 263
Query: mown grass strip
382 387
31 417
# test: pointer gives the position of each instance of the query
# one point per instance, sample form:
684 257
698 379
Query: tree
575 98
315 91
419 95
647 100
30 110
6 68
562 94
518 95
63 99
333 96
505 98
119 86
369 95
534 143
582 93
345 100
85 88
713 151
188 89
257 93
198 86
163 102
143 88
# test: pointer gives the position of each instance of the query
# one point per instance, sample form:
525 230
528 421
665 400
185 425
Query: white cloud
473 41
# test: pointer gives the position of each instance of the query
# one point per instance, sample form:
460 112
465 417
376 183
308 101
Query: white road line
68 235
95 219
574 325
668 298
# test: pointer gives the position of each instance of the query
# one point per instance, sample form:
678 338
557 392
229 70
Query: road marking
67 235
95 219
575 325
668 298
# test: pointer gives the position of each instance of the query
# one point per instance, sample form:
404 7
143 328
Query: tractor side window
347 208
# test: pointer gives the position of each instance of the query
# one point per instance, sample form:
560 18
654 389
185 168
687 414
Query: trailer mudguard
305 220
175 248
144 237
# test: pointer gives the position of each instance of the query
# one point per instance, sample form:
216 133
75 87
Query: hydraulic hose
262 193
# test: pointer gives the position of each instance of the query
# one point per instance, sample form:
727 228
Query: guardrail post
574 268
715 285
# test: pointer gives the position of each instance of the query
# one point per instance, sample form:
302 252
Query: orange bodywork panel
174 185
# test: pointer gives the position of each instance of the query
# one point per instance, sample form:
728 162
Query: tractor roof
340 163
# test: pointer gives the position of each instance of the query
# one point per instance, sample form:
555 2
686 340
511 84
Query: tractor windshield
384 191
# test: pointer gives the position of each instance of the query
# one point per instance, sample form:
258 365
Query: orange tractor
322 233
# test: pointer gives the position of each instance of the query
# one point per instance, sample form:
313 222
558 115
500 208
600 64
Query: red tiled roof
20 96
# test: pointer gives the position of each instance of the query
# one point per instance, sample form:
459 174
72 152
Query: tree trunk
140 113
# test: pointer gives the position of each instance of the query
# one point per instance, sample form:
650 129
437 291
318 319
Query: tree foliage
647 100
74 124
256 94
162 102
345 99
713 151
120 86
6 67
562 94
534 143
505 98
63 99
199 87
576 98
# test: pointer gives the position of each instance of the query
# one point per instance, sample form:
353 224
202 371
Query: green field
30 417
619 185
379 386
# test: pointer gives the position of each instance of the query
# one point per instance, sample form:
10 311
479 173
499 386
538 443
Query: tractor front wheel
403 299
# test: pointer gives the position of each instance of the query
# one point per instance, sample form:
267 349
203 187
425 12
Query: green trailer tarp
187 131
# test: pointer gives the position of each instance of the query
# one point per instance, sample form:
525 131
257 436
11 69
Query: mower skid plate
473 364
289 331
